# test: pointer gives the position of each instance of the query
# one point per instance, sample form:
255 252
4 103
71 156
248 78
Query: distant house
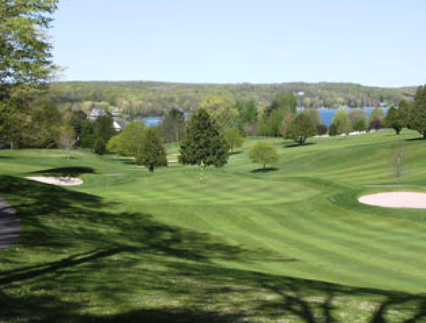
116 112
96 113
117 127
119 124
300 93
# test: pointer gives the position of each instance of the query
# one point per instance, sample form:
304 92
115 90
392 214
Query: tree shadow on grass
233 153
295 145
6 157
266 170
96 259
66 171
415 139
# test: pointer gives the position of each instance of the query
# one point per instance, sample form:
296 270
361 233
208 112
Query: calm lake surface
326 116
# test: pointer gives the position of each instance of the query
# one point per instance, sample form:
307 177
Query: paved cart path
10 226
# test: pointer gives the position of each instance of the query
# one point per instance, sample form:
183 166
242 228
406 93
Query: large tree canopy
25 53
25 61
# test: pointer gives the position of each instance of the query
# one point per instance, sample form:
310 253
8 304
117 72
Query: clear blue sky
372 42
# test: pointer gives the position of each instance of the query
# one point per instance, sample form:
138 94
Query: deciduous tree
264 153
233 138
314 115
358 119
67 141
222 110
342 122
301 128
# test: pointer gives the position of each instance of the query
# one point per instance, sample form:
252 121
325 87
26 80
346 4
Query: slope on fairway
292 244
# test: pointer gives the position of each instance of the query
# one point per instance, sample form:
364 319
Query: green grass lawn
289 245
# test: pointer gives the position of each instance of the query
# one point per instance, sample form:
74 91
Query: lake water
326 116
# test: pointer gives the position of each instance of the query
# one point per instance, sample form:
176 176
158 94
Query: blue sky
375 42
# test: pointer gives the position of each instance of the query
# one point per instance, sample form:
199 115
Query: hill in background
154 98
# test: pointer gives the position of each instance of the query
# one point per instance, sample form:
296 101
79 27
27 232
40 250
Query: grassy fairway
290 245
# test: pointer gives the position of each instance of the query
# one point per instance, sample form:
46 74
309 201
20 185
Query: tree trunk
151 168
424 134
264 167
397 131
11 145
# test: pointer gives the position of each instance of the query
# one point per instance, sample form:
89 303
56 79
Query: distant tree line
138 99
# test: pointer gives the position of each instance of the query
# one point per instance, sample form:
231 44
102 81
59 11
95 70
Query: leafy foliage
332 130
233 138
99 146
358 120
272 124
322 129
203 142
222 110
156 98
342 122
377 114
130 139
87 134
395 119
301 128
314 115
25 53
418 112
264 153
285 101
104 128
172 126
152 152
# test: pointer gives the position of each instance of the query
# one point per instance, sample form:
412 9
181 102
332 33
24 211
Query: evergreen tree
203 142
88 137
99 146
152 152
300 129
104 127
417 118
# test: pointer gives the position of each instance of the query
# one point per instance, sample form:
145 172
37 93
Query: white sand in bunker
63 181
396 200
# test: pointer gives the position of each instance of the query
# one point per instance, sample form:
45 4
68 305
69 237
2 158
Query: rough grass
289 245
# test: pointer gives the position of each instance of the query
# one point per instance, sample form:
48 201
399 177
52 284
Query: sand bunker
63 181
396 199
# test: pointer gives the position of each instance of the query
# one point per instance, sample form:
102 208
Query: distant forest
140 99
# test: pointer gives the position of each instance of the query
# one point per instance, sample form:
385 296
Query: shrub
332 130
322 129
99 147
